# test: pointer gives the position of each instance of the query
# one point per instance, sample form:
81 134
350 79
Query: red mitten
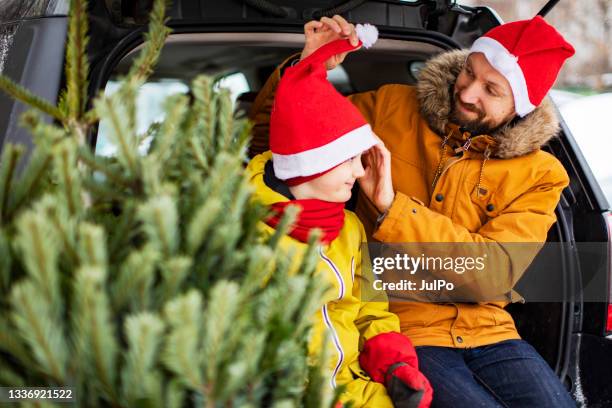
390 359
408 387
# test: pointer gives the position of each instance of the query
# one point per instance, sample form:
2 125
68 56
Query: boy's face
335 185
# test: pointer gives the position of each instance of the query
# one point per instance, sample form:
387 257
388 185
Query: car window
16 10
149 105
7 34
150 109
242 62
236 83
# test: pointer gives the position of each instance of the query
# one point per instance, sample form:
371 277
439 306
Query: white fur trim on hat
325 157
507 65
367 33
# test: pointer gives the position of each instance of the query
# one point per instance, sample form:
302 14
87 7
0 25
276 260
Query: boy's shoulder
353 228
351 217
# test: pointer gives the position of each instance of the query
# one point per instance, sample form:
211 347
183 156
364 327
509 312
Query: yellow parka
500 189
346 319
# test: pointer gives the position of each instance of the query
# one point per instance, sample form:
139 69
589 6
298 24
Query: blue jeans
510 373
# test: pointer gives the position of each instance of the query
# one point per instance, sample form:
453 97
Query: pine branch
132 287
8 377
41 330
62 222
6 263
261 264
152 179
225 123
180 353
36 172
21 94
174 272
77 65
220 312
103 165
92 245
65 166
10 158
160 223
283 227
237 208
140 380
315 290
226 173
37 242
90 117
154 41
202 221
318 393
124 228
94 333
127 98
122 134
175 394
104 190
165 138
30 181
242 137
246 368
204 109
13 345
198 153
308 267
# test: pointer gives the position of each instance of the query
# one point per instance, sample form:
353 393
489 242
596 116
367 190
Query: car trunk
251 37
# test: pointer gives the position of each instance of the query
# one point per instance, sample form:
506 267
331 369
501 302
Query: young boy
316 140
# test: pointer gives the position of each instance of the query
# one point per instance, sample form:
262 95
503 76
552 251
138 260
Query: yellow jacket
509 196
347 319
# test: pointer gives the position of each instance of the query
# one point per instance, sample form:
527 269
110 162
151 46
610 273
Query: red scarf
324 215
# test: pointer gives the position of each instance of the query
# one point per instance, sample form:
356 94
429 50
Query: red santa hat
313 128
529 53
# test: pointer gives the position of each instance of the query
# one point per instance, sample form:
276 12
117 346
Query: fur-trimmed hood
517 139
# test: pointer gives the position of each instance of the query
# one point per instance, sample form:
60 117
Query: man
464 148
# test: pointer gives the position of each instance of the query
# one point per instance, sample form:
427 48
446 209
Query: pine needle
20 93
77 64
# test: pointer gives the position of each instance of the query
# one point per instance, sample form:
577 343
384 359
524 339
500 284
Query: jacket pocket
412 314
357 371
501 315
485 202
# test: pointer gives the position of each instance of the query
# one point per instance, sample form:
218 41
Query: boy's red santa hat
529 54
313 128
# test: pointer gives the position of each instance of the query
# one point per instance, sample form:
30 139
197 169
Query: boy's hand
319 33
390 359
377 184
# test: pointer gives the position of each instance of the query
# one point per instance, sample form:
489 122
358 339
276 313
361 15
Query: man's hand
319 33
377 184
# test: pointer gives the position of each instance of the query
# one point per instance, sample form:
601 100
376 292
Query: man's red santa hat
313 128
529 54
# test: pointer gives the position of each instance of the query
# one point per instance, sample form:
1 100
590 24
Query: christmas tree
142 279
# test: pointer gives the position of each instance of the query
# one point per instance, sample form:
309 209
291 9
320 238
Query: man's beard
478 126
